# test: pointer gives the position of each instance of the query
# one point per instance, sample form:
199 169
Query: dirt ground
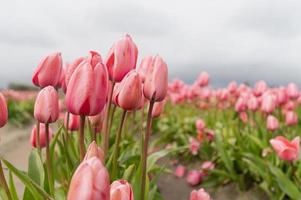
15 147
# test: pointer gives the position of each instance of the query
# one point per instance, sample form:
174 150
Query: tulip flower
200 124
253 103
232 87
46 108
121 58
285 149
194 177
260 88
194 146
48 72
74 122
292 91
90 181
156 81
158 109
144 65
268 103
291 118
33 136
3 111
180 171
241 104
207 165
71 68
272 123
243 117
94 151
203 79
200 194
62 83
121 190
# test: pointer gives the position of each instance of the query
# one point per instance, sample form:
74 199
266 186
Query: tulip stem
48 161
3 182
82 137
145 148
38 139
67 127
117 142
111 117
106 128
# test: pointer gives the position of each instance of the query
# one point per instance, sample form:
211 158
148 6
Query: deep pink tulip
194 146
3 111
121 58
260 88
200 124
94 151
200 194
87 89
285 149
74 122
156 81
48 71
203 79
194 177
272 123
128 94
121 190
145 64
292 91
33 136
158 109
71 68
90 181
46 108
291 118
180 171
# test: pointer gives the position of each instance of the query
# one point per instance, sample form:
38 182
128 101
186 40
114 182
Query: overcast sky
245 40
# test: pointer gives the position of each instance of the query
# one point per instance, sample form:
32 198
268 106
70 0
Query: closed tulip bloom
203 79
180 171
158 109
90 181
97 120
87 89
291 118
121 190
200 194
194 177
74 122
46 108
156 81
71 68
268 104
94 150
144 65
194 146
292 91
3 111
129 92
281 96
253 103
207 166
260 88
272 123
241 104
232 87
121 58
200 124
285 149
62 83
33 136
94 58
48 71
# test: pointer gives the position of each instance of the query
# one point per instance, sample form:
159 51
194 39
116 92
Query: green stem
38 139
106 128
82 137
67 127
48 161
117 142
145 149
112 117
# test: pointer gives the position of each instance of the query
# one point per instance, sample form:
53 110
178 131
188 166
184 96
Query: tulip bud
285 149
3 111
272 123
71 68
203 79
260 88
48 71
292 91
194 146
156 82
46 108
194 177
201 194
145 64
158 109
33 136
94 150
121 190
180 171
268 103
200 124
90 181
122 58
74 122
252 103
291 118
232 87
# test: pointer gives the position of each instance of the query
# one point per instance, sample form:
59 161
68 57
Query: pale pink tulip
94 150
285 149
121 190
200 194
33 135
74 122
272 123
203 79
158 109
200 124
194 146
292 91
291 118
194 177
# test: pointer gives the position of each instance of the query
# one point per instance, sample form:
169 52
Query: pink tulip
48 71
121 190
62 83
90 181
281 96
33 136
207 166
194 146
285 149
71 68
210 134
87 89
180 171
268 104
128 94
291 118
260 88
121 58
232 87
94 151
156 81
272 123
74 122
94 58
243 117
194 177
200 124
253 103
203 79
158 109
98 120
145 64
3 111
201 194
292 91
46 108
241 104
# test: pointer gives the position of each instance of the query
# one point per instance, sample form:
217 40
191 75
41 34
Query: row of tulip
94 92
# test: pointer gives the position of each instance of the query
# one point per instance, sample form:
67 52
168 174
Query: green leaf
3 194
12 187
128 173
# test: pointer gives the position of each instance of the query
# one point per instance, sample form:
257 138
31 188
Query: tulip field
110 128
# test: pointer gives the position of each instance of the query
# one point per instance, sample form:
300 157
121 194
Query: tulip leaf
12 187
3 194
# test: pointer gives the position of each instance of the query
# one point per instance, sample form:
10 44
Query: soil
15 147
